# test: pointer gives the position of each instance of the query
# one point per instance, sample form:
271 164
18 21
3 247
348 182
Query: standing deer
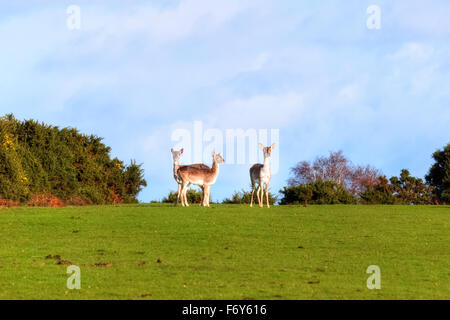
176 165
260 175
201 177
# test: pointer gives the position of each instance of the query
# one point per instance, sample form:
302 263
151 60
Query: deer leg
267 195
185 197
261 202
202 203
206 196
257 195
183 187
183 194
178 193
253 191
209 195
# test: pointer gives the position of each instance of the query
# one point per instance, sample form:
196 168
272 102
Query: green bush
243 197
381 193
319 192
404 189
411 190
192 195
36 158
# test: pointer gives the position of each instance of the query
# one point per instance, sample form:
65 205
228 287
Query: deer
200 176
260 176
176 165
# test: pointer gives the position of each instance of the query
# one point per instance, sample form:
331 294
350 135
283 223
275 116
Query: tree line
336 180
46 165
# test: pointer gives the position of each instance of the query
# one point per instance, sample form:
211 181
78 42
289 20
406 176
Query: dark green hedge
36 158
244 197
319 192
192 195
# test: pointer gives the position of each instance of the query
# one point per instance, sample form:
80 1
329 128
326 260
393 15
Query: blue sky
138 70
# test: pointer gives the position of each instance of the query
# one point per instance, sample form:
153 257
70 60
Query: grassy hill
225 252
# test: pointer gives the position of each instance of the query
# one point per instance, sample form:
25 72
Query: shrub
38 159
404 189
319 192
411 190
381 193
79 200
243 197
45 200
4 203
192 195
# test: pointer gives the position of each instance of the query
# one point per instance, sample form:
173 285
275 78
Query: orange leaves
45 200
4 203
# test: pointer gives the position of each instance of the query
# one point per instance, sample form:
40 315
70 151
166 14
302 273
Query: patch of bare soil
102 264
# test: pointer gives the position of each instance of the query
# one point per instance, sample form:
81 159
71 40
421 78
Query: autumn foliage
45 200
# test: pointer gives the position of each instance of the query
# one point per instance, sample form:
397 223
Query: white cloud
259 61
350 92
414 52
260 111
167 24
429 18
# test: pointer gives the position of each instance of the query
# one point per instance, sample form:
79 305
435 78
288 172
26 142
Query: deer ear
171 149
181 151
214 154
261 146
273 145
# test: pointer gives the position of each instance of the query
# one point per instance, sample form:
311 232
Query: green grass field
226 252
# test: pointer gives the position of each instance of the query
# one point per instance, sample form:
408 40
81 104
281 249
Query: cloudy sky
138 71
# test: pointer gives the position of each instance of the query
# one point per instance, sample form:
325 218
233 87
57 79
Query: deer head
266 150
176 154
217 158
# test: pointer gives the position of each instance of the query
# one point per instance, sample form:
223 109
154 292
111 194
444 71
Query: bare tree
336 167
301 173
363 177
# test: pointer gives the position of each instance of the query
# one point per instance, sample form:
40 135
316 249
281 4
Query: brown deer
260 175
201 177
176 165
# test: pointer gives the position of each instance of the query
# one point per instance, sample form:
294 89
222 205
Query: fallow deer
201 177
176 165
260 175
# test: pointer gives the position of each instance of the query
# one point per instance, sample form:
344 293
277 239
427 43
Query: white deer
260 175
201 177
176 165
